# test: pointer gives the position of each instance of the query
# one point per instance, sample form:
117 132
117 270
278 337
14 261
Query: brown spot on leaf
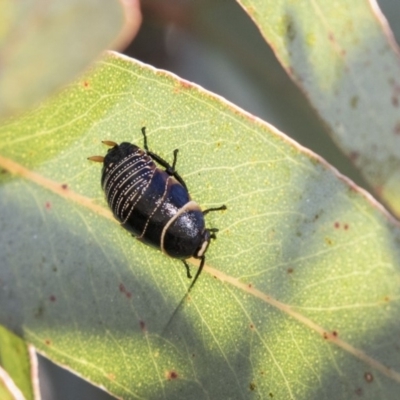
39 312
337 225
397 128
52 298
354 102
123 290
172 375
252 386
111 376
368 377
354 155
185 85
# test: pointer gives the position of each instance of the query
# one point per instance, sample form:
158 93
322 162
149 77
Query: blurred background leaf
44 45
16 361
344 58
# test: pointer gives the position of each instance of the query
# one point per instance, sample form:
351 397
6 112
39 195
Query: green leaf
299 295
45 45
344 58
15 364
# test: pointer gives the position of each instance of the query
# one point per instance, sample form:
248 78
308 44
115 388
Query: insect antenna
223 207
203 259
212 232
189 275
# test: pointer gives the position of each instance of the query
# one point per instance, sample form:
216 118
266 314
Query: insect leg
213 231
169 169
223 207
203 260
187 269
175 159
145 139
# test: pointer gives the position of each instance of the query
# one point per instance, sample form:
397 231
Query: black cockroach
154 204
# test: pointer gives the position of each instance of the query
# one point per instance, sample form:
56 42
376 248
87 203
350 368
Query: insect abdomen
125 183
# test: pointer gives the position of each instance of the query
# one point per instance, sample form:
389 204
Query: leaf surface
5 393
299 297
16 370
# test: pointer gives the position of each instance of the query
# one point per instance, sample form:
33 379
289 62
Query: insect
154 205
